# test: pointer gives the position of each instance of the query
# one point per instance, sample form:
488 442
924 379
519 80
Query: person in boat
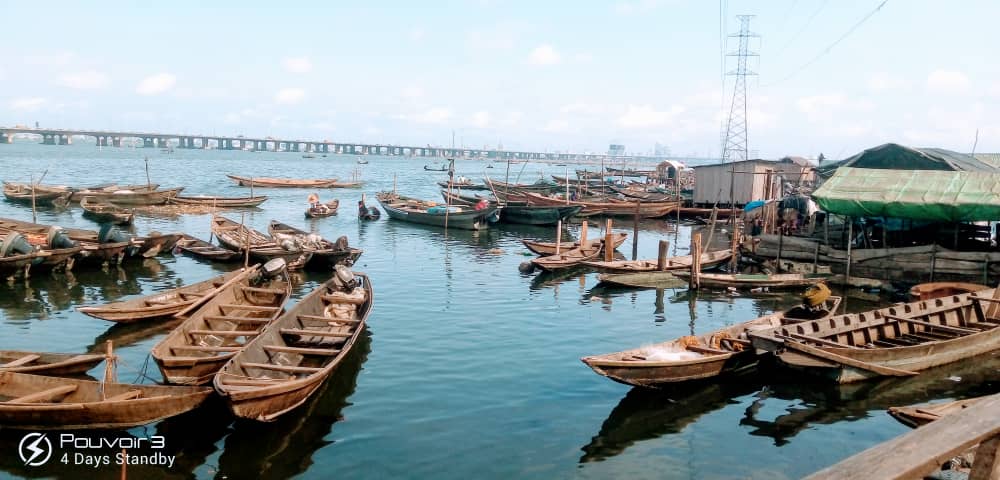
315 205
481 204
362 209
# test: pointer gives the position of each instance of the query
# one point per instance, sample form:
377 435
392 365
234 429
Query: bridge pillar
116 141
65 140
147 142
295 146
48 139
6 137
161 143
102 141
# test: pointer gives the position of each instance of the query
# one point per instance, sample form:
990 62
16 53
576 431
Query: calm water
468 368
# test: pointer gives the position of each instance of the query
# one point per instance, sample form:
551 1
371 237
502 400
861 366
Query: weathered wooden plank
280 368
921 451
20 362
848 361
44 395
987 463
327 352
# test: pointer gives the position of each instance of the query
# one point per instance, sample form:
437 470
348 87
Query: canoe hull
475 220
537 215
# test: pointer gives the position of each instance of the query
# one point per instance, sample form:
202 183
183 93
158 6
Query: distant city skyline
556 76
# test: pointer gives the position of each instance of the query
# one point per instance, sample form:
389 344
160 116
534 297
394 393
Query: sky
538 76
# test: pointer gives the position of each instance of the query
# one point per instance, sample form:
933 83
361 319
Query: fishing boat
653 279
440 168
899 340
540 186
568 258
26 195
918 415
743 280
265 182
159 305
532 215
219 202
352 184
463 183
151 245
19 264
194 351
326 255
319 210
240 238
308 155
719 352
430 213
279 369
36 402
928 291
130 197
102 192
202 249
549 248
708 260
42 363
362 161
609 208
642 194
108 244
106 212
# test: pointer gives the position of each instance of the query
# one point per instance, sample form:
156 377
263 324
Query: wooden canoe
35 402
194 351
899 340
467 185
549 248
430 213
928 291
708 261
158 305
611 208
326 255
132 197
653 279
43 363
918 415
280 368
262 248
94 251
719 352
326 210
568 258
22 193
265 182
355 184
739 280
220 202
202 249
536 215
102 212
155 243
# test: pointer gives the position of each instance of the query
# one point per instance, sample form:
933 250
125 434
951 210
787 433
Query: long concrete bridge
164 140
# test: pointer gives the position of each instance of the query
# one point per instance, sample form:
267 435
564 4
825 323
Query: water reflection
807 404
284 448
646 414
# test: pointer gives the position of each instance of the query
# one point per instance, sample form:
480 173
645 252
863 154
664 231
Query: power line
830 47
802 29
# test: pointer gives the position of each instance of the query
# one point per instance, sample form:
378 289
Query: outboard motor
111 234
57 238
14 244
344 278
273 268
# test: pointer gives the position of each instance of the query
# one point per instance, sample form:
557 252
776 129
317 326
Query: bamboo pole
609 242
695 260
711 228
246 238
583 233
149 184
850 240
34 213
559 235
734 246
635 232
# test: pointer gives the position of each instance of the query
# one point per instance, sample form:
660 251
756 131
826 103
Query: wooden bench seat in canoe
129 395
326 352
328 320
281 368
230 318
314 333
45 395
275 291
206 348
246 306
20 362
226 333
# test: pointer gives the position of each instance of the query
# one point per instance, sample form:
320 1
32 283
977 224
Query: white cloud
298 64
288 96
481 119
412 91
543 55
86 80
432 115
417 34
947 81
28 104
645 116
557 126
155 84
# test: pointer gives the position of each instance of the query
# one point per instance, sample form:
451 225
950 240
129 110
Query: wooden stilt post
816 257
735 246
558 235
933 259
695 259
635 232
583 233
661 255
850 240
609 242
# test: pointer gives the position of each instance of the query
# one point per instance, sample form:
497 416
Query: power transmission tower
735 144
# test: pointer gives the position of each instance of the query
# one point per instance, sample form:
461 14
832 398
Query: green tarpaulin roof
932 195
899 157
